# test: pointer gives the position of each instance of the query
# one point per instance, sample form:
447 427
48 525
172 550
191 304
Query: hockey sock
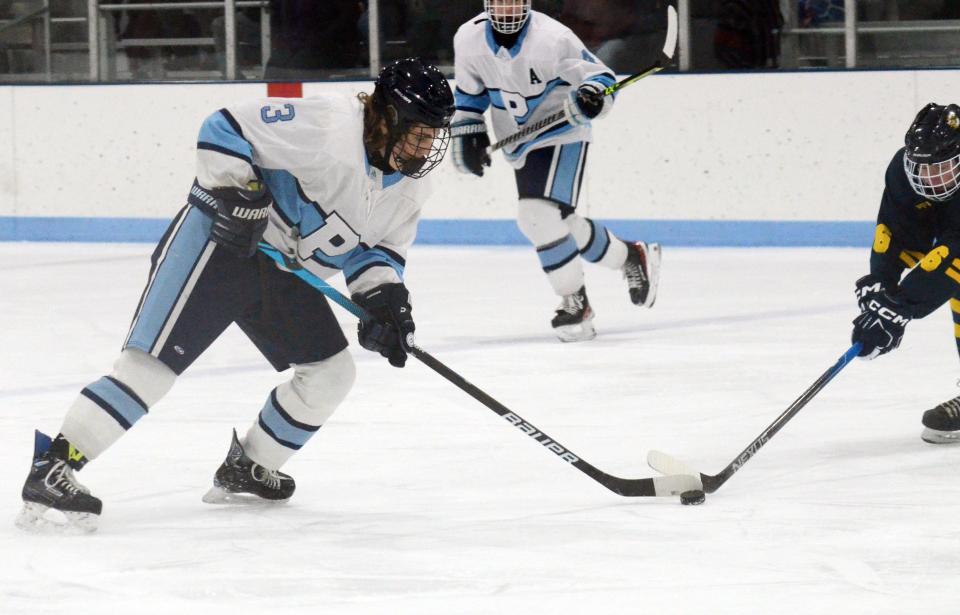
295 410
540 222
596 243
107 408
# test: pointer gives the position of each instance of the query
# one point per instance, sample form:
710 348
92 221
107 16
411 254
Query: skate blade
576 333
935 436
34 518
653 273
219 495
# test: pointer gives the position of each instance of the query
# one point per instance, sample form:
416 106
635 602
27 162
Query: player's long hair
376 131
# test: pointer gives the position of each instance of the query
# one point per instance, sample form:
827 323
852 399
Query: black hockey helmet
418 91
417 103
932 156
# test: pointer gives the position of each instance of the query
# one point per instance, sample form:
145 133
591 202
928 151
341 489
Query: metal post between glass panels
265 36
373 36
47 60
93 38
230 28
850 32
683 10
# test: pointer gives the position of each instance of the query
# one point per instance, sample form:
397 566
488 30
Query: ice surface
414 498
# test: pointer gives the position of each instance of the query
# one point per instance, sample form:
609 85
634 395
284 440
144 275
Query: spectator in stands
151 61
624 34
812 13
394 29
312 38
249 52
748 34
433 24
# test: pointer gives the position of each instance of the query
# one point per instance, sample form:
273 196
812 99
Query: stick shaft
559 117
712 483
660 486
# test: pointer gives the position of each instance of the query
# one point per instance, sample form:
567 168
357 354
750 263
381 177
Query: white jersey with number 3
332 211
525 83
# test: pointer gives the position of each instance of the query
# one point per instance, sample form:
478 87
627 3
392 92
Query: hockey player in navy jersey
918 228
329 183
524 66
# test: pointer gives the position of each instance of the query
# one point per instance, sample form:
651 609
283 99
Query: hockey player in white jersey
331 184
524 65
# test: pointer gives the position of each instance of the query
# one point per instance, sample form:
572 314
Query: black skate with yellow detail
941 425
51 486
241 481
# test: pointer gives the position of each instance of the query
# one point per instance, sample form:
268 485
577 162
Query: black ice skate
642 271
52 486
573 321
241 481
941 425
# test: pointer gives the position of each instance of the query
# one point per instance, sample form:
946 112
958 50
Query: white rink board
8 192
768 146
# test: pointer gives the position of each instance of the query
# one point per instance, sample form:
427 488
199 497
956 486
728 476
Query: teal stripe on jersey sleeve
477 103
605 80
286 195
362 259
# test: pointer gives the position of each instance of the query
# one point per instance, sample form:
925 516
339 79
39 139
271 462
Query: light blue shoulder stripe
217 131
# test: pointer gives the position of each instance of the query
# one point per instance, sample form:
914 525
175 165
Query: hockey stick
657 486
669 46
666 464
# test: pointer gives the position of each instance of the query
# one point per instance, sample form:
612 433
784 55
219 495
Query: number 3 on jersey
271 114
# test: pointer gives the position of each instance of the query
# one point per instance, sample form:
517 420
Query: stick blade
669 465
673 32
675 484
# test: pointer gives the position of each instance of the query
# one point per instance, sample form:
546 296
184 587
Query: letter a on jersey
533 78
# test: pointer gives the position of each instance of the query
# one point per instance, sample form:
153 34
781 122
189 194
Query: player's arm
468 130
899 240
227 186
886 303
374 277
937 278
588 76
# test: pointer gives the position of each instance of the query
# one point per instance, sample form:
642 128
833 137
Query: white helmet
507 16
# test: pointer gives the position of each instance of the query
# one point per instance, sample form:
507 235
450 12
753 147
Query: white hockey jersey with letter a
332 211
525 83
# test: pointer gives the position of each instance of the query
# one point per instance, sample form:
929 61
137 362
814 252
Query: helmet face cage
507 16
937 181
417 148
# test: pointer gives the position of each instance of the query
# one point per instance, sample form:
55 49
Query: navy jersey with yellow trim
913 231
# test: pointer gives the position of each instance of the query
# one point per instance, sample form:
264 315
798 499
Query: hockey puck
693 497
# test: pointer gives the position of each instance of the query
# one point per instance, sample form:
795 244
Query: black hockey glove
585 104
470 143
240 220
881 325
867 286
390 329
